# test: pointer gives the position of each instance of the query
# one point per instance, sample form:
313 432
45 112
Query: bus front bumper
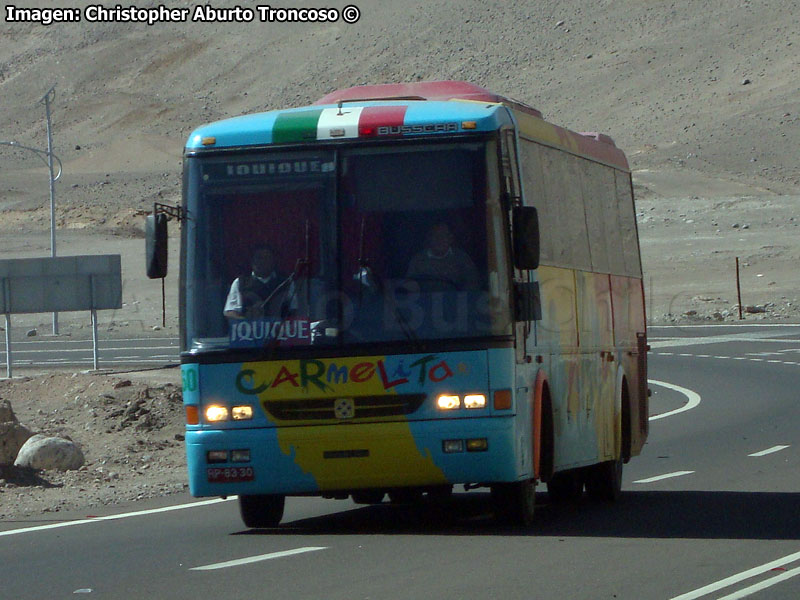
346 457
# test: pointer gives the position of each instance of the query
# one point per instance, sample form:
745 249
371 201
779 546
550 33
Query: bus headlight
448 402
474 401
215 413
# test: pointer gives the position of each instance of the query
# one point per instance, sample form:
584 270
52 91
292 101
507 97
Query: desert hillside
703 96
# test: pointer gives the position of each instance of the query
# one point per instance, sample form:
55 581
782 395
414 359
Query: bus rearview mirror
156 245
526 237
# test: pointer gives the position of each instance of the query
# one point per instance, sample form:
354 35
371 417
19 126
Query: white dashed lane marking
259 558
665 476
770 450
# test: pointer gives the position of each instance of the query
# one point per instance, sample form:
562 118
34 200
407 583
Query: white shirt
234 302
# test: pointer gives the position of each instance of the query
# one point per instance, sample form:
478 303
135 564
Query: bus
453 297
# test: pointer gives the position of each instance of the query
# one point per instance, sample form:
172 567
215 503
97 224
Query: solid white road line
770 450
101 348
757 587
694 399
667 476
722 325
733 579
137 513
89 341
764 336
252 559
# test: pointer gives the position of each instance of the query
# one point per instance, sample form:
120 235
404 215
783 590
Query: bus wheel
514 503
566 486
405 496
368 497
262 510
440 494
604 481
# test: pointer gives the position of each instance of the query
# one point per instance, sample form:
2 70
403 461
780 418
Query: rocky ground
130 430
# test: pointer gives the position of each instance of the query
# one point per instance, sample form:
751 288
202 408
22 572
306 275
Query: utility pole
49 96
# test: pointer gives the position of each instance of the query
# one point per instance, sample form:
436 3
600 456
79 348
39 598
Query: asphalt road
710 510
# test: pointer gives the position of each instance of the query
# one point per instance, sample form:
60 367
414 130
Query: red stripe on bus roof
373 117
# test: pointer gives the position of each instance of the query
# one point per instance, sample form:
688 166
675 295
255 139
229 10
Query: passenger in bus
263 293
441 266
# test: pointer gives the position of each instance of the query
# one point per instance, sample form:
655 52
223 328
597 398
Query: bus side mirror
526 237
155 232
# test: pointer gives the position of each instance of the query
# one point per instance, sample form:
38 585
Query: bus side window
533 184
627 222
598 185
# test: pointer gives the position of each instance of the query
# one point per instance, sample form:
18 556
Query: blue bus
402 288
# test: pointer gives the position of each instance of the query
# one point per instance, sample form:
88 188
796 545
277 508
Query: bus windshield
332 247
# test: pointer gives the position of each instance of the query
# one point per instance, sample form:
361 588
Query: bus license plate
230 474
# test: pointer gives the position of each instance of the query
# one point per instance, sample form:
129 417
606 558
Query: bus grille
325 408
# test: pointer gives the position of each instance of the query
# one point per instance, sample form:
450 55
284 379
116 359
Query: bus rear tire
261 511
604 481
565 486
514 503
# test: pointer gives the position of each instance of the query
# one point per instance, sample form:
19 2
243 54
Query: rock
50 453
122 384
13 437
7 413
746 81
753 309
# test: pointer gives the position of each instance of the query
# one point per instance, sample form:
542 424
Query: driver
249 294
440 265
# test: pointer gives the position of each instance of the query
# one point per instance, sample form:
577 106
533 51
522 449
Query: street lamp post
49 162
51 95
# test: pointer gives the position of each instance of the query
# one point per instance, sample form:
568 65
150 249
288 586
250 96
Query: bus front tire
604 481
514 503
405 496
261 511
368 496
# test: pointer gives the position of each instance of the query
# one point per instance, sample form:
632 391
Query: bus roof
426 108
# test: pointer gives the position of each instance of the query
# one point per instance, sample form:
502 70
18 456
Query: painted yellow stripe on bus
545 132
377 455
